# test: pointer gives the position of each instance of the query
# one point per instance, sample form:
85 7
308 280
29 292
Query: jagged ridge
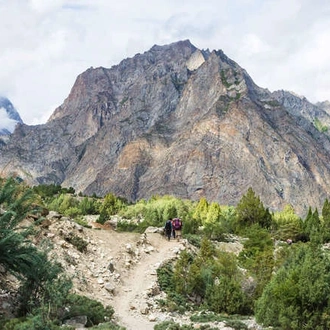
181 121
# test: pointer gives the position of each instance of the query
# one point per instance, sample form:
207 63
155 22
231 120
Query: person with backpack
173 230
177 226
168 229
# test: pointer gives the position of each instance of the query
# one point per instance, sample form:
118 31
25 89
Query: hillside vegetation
281 275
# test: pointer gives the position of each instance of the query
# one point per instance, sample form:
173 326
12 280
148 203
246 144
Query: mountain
9 116
182 121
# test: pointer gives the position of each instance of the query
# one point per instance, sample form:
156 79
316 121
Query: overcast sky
45 44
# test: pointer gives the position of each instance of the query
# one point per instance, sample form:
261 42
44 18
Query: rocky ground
117 269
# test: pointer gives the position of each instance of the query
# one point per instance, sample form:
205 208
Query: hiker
168 229
173 230
177 226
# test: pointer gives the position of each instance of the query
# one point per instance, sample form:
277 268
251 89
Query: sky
46 44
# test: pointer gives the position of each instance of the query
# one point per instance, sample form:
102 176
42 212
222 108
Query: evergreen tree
312 226
181 271
297 297
288 225
250 210
326 221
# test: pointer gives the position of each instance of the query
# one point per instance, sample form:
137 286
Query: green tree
170 211
326 220
250 211
181 271
213 224
214 214
288 225
46 191
201 210
297 297
207 251
258 257
15 253
89 205
226 296
110 206
41 281
312 227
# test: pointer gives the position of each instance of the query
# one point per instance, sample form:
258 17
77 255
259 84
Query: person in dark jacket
168 229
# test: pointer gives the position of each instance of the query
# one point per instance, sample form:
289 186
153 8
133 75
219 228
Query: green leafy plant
319 126
224 79
79 243
94 310
111 205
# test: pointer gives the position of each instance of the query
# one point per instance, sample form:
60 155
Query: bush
79 243
110 206
107 326
127 226
45 190
226 297
193 239
33 322
165 277
94 310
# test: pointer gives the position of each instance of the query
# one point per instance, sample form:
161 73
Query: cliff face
181 121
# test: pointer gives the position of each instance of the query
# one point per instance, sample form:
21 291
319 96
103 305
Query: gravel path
129 296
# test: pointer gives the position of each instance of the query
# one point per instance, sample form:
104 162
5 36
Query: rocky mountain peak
181 121
325 105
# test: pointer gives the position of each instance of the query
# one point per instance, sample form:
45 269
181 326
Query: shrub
45 190
94 310
193 239
129 226
79 243
164 275
34 322
107 326
110 206
226 296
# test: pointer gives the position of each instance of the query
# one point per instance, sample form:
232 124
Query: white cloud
5 121
47 43
45 6
252 45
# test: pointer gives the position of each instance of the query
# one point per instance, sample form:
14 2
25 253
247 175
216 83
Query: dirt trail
138 280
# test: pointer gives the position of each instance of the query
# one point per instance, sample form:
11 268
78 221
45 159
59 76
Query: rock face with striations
176 120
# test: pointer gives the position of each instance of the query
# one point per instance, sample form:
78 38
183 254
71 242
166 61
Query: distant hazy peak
9 116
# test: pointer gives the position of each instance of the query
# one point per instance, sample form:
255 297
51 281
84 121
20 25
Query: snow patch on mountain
9 117
7 124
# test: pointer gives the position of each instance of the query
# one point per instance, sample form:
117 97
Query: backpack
177 224
168 225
